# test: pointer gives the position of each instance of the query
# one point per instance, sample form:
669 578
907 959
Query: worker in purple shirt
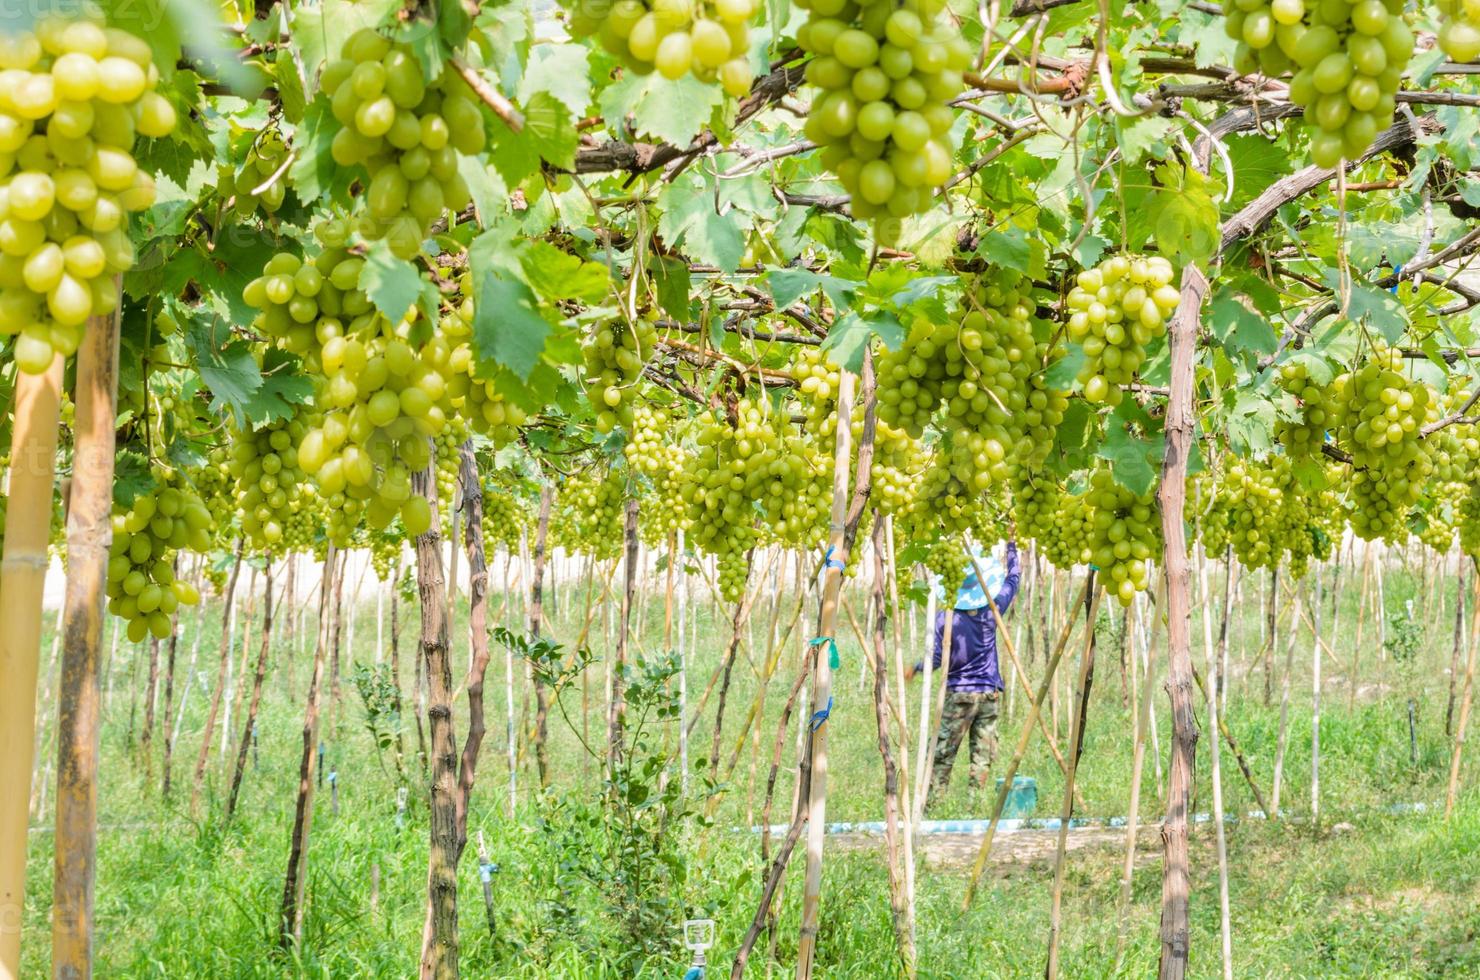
974 683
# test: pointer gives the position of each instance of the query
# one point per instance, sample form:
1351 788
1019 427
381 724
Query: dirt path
1020 847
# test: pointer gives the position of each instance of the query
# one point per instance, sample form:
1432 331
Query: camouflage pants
965 712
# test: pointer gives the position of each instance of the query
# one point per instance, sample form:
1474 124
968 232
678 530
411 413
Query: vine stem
491 96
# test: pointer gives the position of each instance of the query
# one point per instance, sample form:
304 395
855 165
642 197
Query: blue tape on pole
828 561
486 870
818 717
832 649
1397 275
333 776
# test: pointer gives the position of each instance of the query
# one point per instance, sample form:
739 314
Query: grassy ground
581 893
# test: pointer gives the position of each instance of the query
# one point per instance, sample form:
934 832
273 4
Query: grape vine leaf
670 111
394 285
314 172
670 278
1238 328
789 285
851 333
1379 308
227 367
550 130
1133 447
689 217
507 326
1257 163
284 386
1182 216
559 70
1250 424
555 274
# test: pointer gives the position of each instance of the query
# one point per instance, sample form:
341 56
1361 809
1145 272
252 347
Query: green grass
1368 893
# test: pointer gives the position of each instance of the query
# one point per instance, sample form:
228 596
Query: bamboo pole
1284 730
1210 694
1138 758
22 583
837 547
221 676
1315 697
89 534
255 700
1066 813
903 721
1466 700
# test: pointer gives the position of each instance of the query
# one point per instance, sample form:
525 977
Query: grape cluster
407 132
1378 415
1347 60
653 452
887 73
478 400
982 375
615 354
1460 35
382 387
1468 522
947 561
73 96
677 37
265 158
592 513
1116 309
753 472
1054 519
1303 436
900 458
147 534
274 498
1124 535
1258 507
507 513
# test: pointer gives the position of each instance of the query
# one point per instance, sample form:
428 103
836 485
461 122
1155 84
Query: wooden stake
837 550
221 674
1180 421
1466 699
290 921
1210 694
256 697
1066 813
617 707
1315 698
89 534
1143 716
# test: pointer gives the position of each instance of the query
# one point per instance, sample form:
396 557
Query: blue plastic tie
486 870
832 649
333 776
818 717
695 973
1397 275
828 561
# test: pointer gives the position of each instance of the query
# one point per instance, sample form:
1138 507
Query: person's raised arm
1009 589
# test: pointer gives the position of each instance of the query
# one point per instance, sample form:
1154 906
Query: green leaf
550 130
1250 425
1378 307
395 285
489 196
789 285
1134 458
562 71
670 278
1257 163
851 333
226 366
314 172
673 112
284 387
1238 328
508 329
1182 216
559 275
689 218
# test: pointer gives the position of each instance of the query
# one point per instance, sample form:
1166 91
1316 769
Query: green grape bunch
886 73
615 353
382 391
407 131
1460 34
591 513
1124 535
708 39
1379 418
74 96
1303 436
653 451
275 501
1347 59
479 400
1117 309
147 534
263 168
